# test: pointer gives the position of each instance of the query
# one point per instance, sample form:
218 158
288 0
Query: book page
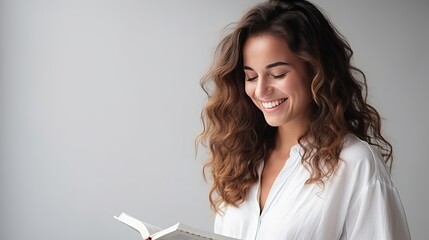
181 231
151 228
201 233
178 235
135 224
178 231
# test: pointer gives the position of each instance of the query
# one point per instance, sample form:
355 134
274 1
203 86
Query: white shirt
359 202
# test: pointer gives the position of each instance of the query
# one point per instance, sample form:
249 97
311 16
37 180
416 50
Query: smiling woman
279 86
277 82
296 150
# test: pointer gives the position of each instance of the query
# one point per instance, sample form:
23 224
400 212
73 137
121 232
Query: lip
273 104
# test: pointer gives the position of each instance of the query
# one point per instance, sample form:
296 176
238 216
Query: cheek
301 88
306 91
249 90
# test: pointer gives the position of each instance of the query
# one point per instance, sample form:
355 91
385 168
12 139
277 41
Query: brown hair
235 130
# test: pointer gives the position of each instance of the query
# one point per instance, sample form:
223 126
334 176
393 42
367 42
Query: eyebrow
276 64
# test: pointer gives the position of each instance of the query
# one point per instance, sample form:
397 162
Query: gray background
100 105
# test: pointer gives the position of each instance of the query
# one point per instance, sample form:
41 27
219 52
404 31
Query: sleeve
377 213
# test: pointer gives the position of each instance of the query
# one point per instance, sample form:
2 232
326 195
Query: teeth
273 104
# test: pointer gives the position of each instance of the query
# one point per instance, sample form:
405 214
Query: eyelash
251 79
278 76
272 75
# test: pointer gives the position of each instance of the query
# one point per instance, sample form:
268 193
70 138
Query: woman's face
276 80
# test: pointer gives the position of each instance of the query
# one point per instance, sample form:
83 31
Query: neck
288 136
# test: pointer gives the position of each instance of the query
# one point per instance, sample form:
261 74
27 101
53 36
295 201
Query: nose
263 88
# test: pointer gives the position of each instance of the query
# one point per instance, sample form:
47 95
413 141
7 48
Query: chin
273 123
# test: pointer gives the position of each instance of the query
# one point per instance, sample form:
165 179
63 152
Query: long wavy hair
235 131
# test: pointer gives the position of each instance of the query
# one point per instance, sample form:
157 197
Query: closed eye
278 76
251 78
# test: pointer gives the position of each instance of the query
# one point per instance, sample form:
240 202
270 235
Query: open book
178 231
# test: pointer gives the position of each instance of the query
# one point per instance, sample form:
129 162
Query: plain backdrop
100 106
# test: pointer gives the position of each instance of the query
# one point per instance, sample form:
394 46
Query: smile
273 104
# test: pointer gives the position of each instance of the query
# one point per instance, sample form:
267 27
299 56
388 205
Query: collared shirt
358 202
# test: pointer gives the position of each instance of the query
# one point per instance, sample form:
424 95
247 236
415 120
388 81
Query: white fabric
359 202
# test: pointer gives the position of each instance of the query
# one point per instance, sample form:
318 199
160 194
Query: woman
296 151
